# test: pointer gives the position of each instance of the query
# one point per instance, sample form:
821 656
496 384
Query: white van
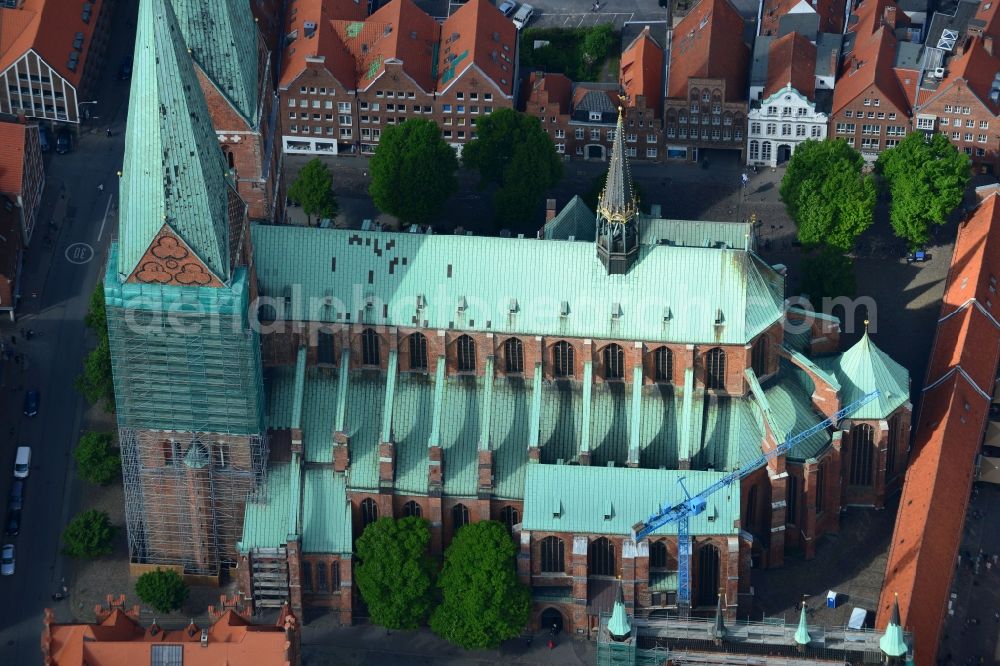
22 463
523 16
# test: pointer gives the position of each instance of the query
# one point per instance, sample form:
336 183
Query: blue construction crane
692 505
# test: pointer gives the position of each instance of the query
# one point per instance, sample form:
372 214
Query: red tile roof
973 67
12 138
871 15
703 47
550 89
22 29
831 14
641 73
327 15
119 639
953 414
989 14
791 60
870 68
404 33
478 35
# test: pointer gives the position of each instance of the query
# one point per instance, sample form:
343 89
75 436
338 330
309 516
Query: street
57 283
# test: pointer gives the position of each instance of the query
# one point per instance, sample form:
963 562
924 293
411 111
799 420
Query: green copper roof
802 636
578 222
892 642
864 368
618 625
792 412
300 387
222 36
173 170
265 522
390 270
562 498
326 513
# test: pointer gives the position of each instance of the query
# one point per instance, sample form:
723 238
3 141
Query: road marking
79 253
100 232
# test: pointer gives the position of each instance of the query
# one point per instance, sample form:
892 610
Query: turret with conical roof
864 368
718 630
617 210
181 219
224 42
892 642
619 626
802 637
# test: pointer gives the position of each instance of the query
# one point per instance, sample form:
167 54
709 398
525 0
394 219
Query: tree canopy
827 273
396 572
413 171
313 189
163 589
90 534
827 195
512 150
97 459
96 383
483 601
926 179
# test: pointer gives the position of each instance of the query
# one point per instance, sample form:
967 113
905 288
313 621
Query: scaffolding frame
189 394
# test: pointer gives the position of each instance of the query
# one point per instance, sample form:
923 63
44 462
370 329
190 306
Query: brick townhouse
233 65
870 106
580 117
51 52
345 77
706 101
22 174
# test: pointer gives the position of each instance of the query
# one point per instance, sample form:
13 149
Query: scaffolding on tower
189 401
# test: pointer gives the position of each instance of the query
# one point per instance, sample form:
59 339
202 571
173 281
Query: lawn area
578 53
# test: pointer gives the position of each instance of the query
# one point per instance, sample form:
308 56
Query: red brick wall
893 117
951 105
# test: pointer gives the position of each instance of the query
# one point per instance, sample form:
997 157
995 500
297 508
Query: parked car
125 69
507 7
31 403
523 16
64 142
22 462
7 560
13 523
15 501
44 138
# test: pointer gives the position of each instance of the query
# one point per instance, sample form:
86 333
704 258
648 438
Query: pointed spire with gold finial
892 642
618 202
617 210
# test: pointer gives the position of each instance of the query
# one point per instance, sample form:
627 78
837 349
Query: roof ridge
173 170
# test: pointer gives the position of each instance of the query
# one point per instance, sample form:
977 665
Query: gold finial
866 325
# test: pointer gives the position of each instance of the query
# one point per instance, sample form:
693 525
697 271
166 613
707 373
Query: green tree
597 43
512 150
313 189
483 601
396 572
827 273
163 589
926 179
827 195
413 171
97 459
90 534
96 383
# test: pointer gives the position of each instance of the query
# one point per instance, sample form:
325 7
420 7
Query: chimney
834 57
988 44
550 209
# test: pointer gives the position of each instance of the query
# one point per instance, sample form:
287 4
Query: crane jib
693 505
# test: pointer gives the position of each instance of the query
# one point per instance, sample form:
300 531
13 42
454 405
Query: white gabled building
789 102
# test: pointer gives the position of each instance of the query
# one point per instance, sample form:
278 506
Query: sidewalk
326 645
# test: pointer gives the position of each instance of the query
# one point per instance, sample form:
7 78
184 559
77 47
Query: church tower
617 212
178 289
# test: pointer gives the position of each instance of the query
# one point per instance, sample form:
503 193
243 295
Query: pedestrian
13 340
109 132
100 188
551 644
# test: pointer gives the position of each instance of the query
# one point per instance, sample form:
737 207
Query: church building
279 388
